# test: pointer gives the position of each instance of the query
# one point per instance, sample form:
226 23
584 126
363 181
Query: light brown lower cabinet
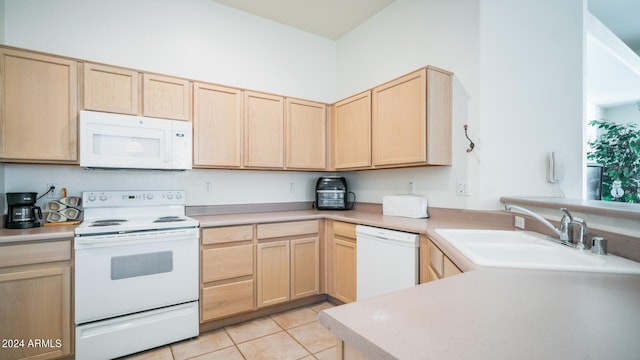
343 262
305 267
348 352
227 284
434 264
287 261
273 273
35 298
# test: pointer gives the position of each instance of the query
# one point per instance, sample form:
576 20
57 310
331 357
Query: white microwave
134 142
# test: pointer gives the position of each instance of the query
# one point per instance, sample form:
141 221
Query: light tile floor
293 334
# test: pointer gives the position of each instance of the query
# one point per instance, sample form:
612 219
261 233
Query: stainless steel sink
529 250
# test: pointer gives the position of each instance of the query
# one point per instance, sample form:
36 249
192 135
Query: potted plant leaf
617 149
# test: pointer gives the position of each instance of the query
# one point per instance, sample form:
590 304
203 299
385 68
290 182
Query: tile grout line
282 329
296 340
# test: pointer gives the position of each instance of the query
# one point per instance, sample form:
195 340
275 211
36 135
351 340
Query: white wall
203 187
407 35
2 21
531 90
198 39
623 114
517 83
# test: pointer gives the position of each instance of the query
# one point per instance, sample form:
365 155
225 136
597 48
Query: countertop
37 234
360 217
498 314
418 226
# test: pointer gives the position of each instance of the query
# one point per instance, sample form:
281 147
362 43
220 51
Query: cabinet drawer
450 268
227 262
344 229
227 234
227 299
34 253
436 259
266 231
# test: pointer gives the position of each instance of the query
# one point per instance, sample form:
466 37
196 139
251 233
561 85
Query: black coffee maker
22 211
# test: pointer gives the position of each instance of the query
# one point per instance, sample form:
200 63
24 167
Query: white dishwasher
386 260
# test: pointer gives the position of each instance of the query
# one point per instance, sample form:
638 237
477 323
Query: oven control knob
149 196
92 197
169 196
103 197
178 196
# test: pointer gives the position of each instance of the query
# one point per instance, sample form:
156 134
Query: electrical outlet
462 188
519 222
54 194
207 186
412 187
292 187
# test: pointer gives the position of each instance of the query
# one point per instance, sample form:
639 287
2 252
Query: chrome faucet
583 230
565 233
566 229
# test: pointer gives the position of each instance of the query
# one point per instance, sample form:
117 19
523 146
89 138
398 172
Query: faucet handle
599 245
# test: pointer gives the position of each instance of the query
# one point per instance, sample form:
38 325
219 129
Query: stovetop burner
107 222
168 219
121 212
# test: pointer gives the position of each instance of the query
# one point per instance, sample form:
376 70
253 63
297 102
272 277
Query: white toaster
411 206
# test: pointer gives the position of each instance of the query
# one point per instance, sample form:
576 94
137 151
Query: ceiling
612 71
327 18
622 17
334 18
608 85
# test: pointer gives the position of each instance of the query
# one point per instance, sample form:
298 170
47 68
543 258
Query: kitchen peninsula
497 314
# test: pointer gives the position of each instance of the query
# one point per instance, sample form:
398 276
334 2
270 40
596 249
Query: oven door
126 273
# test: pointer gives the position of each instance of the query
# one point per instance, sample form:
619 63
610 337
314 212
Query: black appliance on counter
22 211
332 193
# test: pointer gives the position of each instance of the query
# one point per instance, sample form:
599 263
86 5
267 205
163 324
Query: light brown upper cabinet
166 97
217 126
117 90
352 132
305 135
411 120
263 130
111 89
39 117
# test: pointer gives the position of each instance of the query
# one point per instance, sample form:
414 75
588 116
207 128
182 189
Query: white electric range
136 272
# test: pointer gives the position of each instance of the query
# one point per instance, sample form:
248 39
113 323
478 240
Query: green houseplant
617 149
